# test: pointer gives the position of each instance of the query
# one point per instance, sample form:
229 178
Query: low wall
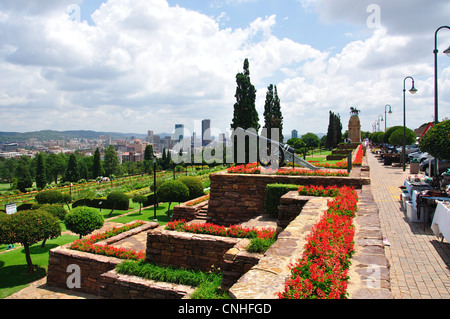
91 266
237 261
188 213
187 250
236 198
118 286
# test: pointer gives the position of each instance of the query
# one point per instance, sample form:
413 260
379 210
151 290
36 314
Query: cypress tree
72 169
97 167
24 179
41 179
245 115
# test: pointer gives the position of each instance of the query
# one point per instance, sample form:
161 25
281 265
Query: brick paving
420 262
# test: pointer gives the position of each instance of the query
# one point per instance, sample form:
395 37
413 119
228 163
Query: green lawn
147 215
13 266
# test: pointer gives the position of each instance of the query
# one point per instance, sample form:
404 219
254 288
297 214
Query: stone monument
354 126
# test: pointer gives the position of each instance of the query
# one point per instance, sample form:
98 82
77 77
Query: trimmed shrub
194 184
172 191
119 200
152 200
83 220
28 228
49 197
274 192
141 200
56 210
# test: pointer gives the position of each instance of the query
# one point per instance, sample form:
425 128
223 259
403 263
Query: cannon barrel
289 152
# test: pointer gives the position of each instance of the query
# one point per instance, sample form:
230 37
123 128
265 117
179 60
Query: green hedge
101 203
274 192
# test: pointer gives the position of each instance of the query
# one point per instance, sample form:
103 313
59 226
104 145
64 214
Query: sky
136 65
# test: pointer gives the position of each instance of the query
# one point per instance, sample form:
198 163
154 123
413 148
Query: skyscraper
206 132
294 134
179 132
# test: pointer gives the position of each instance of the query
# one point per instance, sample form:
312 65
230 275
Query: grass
146 215
13 266
207 283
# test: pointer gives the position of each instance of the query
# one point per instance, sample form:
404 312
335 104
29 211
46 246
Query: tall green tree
111 161
56 166
97 168
24 179
272 112
72 169
148 158
41 179
8 169
334 134
245 115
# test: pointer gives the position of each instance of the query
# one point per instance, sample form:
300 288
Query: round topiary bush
194 184
172 191
49 197
83 220
56 210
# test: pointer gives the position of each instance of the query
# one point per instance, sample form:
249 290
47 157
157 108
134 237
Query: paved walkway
420 262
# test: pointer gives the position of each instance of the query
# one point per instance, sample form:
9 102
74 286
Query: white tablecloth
441 221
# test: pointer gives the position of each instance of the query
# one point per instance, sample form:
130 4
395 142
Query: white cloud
145 65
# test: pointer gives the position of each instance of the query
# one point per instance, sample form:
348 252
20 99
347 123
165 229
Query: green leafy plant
28 228
83 220
194 184
172 191
437 141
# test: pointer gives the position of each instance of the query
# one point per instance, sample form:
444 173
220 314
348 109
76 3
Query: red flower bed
198 200
233 231
88 244
322 272
313 190
359 156
254 168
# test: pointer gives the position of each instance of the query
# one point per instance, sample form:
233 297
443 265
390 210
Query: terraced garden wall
236 198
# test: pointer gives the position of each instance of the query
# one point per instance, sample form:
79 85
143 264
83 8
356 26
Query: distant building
179 132
11 147
294 134
206 132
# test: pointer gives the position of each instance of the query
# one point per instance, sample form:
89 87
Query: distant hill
57 135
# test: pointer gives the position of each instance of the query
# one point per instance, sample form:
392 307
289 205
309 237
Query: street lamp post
385 116
413 90
379 116
436 109
154 190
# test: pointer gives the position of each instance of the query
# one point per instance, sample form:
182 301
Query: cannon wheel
279 154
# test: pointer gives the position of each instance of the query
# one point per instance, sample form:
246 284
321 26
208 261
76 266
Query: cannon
282 152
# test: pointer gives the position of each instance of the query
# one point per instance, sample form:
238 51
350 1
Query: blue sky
138 65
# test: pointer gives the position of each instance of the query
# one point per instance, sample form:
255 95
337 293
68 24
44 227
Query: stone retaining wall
118 286
236 198
92 266
188 213
187 250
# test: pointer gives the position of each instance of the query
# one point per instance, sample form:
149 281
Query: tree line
45 169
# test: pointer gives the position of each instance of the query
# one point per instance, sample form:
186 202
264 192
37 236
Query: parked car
409 149
420 156
443 165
